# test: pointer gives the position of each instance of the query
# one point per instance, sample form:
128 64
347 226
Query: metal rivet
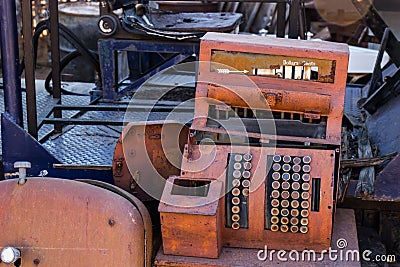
304 221
297 160
285 194
235 192
286 167
276 175
296 168
305 186
275 184
277 158
294 221
247 165
235 225
247 157
286 176
284 228
238 157
246 183
246 174
235 182
285 203
294 229
307 159
274 220
305 195
294 213
306 168
284 220
237 166
235 209
274 228
305 204
294 204
275 203
295 195
275 211
306 177
235 201
284 212
285 185
287 158
235 217
237 174
275 194
295 177
276 167
305 213
304 229
295 186
245 192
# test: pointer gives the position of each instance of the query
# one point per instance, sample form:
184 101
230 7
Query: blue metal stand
108 61
21 146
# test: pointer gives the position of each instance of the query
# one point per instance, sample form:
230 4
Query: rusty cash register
261 163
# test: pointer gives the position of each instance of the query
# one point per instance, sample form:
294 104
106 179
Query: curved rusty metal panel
58 222
146 154
147 224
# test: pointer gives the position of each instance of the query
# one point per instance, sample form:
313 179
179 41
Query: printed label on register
288 62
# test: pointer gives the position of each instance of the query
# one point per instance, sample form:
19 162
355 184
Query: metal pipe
55 60
10 61
31 111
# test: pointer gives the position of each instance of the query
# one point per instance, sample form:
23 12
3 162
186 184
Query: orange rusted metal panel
148 149
256 235
57 222
245 64
190 225
279 101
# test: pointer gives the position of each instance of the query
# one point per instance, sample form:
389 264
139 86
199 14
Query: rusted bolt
111 222
36 261
22 166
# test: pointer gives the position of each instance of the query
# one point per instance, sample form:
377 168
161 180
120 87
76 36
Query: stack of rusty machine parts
261 163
